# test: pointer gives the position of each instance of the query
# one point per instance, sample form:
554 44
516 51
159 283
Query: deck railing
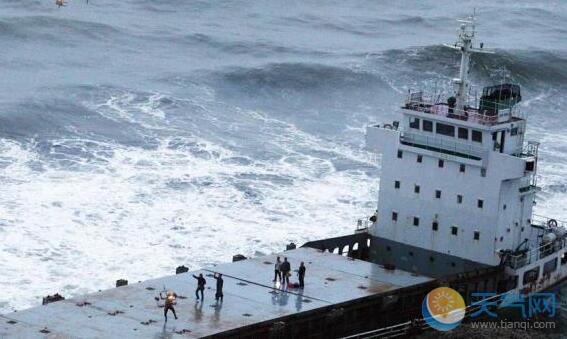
535 254
544 249
436 104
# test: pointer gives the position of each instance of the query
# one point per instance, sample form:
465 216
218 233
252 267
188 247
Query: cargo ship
457 188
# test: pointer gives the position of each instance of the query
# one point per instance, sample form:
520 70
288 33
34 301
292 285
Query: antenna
464 44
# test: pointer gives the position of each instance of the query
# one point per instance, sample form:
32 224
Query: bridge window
462 168
427 126
454 230
438 194
463 133
550 266
394 216
396 184
480 203
400 154
416 189
459 199
531 275
476 235
441 163
476 136
414 123
416 221
419 158
445 129
435 226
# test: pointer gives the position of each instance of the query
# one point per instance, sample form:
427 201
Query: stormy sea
138 135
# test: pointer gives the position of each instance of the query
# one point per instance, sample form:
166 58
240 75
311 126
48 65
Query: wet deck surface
249 297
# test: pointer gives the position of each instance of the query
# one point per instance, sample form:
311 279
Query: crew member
285 269
277 273
301 275
220 282
169 302
200 286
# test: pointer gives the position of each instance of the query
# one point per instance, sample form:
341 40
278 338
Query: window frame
476 235
413 122
476 136
435 225
443 129
460 135
454 230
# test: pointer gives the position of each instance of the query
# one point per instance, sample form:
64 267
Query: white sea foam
138 213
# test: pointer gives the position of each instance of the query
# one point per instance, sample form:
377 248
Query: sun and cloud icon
443 308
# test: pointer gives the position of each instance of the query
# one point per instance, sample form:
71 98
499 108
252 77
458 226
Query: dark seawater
139 135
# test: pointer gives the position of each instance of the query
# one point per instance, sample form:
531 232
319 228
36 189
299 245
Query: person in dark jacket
301 275
200 286
220 282
285 269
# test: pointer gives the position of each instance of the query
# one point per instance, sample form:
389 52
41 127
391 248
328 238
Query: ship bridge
458 179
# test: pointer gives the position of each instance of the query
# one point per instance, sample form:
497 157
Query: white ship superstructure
458 182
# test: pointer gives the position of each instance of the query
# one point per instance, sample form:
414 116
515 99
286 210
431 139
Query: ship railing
544 249
547 222
362 225
439 143
530 149
436 104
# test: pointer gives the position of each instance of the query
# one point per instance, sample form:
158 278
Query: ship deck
250 297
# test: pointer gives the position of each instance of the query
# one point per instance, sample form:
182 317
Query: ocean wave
528 68
61 30
363 27
45 119
24 4
300 76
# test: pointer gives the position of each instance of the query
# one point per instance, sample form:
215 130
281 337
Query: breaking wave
300 77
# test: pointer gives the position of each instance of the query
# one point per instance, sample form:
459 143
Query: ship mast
464 44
